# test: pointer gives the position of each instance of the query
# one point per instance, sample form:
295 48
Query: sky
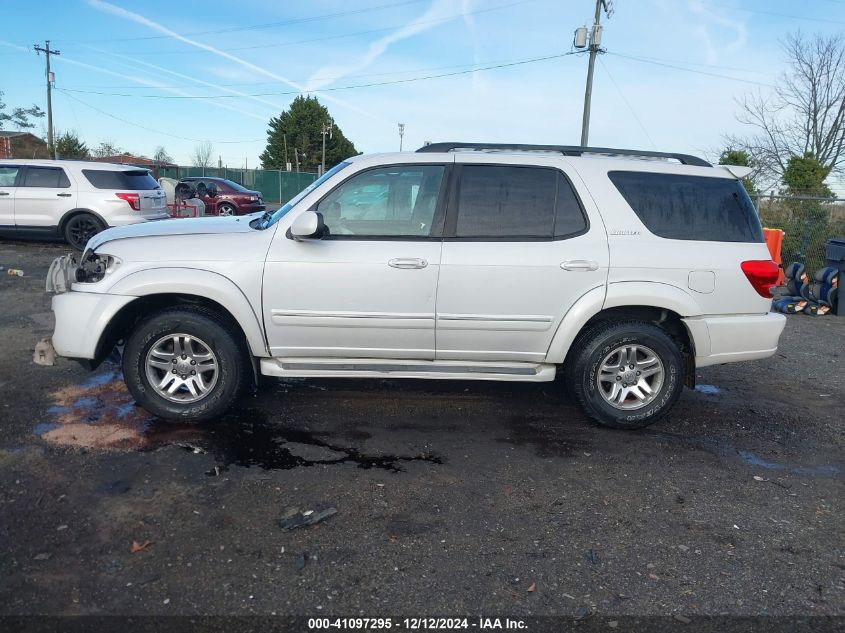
144 74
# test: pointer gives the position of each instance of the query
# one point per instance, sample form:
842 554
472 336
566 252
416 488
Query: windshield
269 219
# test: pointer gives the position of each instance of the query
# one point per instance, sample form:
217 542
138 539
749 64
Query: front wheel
185 364
226 209
626 375
81 228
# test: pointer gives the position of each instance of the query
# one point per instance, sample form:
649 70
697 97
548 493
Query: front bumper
732 339
81 320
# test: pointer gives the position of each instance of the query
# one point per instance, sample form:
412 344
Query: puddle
101 414
725 448
710 390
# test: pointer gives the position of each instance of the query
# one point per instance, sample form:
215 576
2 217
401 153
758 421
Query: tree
202 154
805 114
805 176
68 145
740 157
161 156
20 117
106 148
302 125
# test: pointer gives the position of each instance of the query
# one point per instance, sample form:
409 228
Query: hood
179 226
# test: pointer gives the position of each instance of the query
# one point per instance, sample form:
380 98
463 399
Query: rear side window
137 180
682 207
496 201
48 177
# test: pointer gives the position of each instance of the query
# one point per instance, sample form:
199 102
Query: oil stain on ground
101 414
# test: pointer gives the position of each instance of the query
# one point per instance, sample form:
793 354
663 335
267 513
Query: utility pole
401 134
287 164
327 129
595 49
296 157
50 78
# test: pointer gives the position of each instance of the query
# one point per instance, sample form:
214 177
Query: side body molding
200 283
620 294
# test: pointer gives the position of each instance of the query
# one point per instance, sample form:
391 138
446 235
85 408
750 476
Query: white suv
624 270
74 200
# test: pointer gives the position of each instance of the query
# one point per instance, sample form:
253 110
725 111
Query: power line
330 37
149 129
630 108
333 89
255 27
777 14
690 70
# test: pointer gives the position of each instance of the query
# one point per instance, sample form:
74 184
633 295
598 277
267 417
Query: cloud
120 12
437 13
717 19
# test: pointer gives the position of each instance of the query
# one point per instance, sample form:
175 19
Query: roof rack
566 150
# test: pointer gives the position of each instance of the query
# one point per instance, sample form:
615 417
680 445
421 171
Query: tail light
763 275
132 199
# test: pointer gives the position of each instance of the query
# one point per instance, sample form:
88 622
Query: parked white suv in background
74 200
626 270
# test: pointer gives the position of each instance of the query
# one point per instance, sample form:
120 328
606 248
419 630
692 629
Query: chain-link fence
276 186
807 222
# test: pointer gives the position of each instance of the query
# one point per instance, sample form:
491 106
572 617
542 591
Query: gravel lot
451 497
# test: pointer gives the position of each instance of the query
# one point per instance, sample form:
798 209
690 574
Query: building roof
14 133
130 159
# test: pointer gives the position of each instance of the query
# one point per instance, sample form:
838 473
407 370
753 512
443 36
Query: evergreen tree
302 125
69 146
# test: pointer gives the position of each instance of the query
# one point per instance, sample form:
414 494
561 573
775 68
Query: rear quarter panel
708 273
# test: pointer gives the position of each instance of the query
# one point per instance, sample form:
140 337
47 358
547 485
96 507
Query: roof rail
566 150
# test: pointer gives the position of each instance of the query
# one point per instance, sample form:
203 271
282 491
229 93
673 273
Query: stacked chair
815 296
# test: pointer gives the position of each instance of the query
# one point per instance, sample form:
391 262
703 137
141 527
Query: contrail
140 19
64 59
378 47
161 69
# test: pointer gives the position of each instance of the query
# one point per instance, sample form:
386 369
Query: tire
187 397
226 209
608 344
81 228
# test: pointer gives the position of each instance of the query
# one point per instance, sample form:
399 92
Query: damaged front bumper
81 322
62 273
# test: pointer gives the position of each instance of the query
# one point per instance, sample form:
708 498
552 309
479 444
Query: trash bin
834 252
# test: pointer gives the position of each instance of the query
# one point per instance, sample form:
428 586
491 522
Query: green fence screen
275 186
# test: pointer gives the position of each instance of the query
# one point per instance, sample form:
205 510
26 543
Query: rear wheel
226 209
185 364
81 228
625 375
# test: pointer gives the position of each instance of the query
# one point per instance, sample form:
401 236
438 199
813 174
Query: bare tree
106 148
161 156
804 114
202 154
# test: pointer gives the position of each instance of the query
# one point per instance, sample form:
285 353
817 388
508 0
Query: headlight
95 266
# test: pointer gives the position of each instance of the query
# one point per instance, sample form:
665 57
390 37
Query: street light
401 134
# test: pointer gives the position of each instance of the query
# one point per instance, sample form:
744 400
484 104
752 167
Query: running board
389 368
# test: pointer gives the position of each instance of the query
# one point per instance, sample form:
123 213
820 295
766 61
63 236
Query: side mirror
308 225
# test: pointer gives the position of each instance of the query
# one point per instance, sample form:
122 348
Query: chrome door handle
63 195
580 265
407 262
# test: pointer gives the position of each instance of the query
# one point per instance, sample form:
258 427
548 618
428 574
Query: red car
231 198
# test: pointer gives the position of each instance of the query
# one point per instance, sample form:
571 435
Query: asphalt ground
451 497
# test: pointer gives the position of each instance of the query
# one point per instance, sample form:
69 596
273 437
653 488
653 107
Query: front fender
198 283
